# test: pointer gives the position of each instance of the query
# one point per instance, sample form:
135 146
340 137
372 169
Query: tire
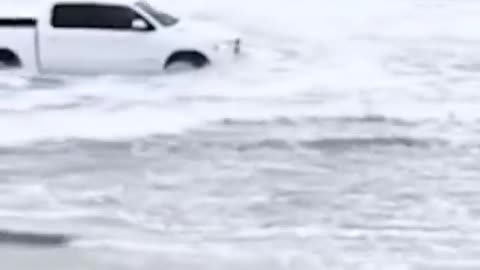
8 59
186 61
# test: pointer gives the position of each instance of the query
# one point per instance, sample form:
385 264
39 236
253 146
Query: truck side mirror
139 24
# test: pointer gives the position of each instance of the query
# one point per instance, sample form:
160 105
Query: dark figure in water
33 239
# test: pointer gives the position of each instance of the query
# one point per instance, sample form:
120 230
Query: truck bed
19 35
18 22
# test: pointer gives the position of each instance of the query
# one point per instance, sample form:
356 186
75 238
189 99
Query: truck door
97 38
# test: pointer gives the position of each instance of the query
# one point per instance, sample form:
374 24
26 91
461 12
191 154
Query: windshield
163 18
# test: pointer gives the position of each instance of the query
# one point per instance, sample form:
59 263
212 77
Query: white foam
336 53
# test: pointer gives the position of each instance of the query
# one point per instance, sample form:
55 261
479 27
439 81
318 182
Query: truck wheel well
195 58
9 59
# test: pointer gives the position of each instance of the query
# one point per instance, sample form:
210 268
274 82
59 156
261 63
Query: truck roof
31 8
128 2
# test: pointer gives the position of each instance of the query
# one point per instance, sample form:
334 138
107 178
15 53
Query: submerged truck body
107 36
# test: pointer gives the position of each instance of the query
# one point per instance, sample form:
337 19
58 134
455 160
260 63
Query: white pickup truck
107 36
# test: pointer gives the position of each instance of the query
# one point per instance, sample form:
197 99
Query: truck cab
109 36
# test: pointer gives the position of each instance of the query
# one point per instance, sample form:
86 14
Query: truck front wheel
186 60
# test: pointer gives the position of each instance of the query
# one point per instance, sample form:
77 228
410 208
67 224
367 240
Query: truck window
96 16
162 17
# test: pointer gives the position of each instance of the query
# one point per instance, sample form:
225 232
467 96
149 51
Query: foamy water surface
346 137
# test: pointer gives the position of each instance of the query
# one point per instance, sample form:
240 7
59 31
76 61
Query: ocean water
346 137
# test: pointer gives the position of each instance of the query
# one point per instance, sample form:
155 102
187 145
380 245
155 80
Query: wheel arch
196 57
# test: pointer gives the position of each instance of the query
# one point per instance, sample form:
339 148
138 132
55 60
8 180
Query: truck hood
205 31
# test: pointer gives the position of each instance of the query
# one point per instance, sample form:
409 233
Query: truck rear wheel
8 59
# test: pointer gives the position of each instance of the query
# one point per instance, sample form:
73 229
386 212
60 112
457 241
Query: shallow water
345 138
